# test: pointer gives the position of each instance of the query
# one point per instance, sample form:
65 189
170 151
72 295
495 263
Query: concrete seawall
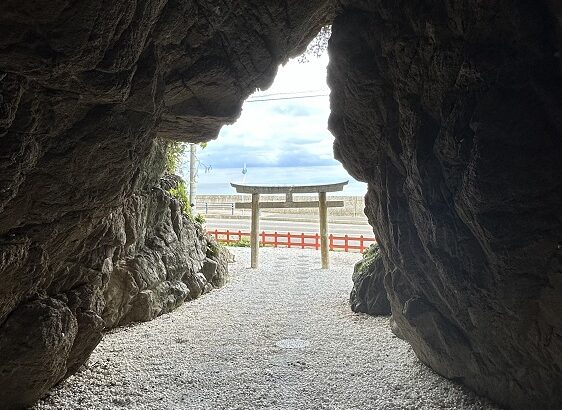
222 204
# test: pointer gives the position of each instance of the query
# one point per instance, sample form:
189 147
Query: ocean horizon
217 180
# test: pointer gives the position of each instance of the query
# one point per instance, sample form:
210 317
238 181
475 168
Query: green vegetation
244 242
180 193
213 248
174 153
370 256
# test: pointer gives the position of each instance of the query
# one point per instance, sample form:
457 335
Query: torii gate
289 190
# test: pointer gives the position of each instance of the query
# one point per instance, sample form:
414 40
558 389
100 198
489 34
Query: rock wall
86 87
452 112
158 259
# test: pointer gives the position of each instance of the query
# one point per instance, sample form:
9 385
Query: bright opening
280 138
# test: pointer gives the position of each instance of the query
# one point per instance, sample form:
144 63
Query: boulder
35 357
216 267
368 294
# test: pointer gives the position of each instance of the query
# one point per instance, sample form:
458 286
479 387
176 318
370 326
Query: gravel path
280 337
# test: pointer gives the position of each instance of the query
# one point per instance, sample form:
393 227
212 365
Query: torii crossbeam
289 190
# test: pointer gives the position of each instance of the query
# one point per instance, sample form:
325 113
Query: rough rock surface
215 267
86 87
163 261
368 294
452 112
159 262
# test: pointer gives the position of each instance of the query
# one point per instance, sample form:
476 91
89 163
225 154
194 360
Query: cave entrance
281 138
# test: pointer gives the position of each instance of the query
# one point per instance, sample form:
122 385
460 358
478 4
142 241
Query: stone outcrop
163 261
451 111
86 87
215 267
369 294
160 259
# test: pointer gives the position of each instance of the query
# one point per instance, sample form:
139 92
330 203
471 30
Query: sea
216 181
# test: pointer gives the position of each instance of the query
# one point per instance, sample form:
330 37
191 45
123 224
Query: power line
289 93
288 98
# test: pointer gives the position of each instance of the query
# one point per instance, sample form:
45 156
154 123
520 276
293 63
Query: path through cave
281 337
450 111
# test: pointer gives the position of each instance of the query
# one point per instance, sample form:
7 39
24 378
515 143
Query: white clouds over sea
288 134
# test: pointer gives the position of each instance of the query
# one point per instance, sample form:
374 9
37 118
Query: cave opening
281 136
449 110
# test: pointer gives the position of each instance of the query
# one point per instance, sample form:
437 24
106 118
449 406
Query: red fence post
263 238
227 237
239 235
302 240
316 244
288 239
361 245
216 234
275 239
346 243
331 242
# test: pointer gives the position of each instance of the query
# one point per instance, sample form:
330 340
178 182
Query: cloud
293 110
279 133
280 141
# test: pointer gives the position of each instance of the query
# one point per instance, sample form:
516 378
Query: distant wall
353 205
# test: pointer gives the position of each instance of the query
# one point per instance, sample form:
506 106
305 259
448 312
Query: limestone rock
368 294
451 111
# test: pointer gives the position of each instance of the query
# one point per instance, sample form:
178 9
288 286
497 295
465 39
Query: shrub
174 154
180 193
244 242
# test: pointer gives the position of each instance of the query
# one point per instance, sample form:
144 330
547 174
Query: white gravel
279 337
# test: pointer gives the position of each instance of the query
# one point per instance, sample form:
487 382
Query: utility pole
192 174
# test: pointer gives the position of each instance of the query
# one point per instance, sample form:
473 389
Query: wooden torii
289 190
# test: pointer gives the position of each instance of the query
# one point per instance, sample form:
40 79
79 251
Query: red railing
291 240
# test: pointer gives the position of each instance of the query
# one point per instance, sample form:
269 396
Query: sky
284 141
